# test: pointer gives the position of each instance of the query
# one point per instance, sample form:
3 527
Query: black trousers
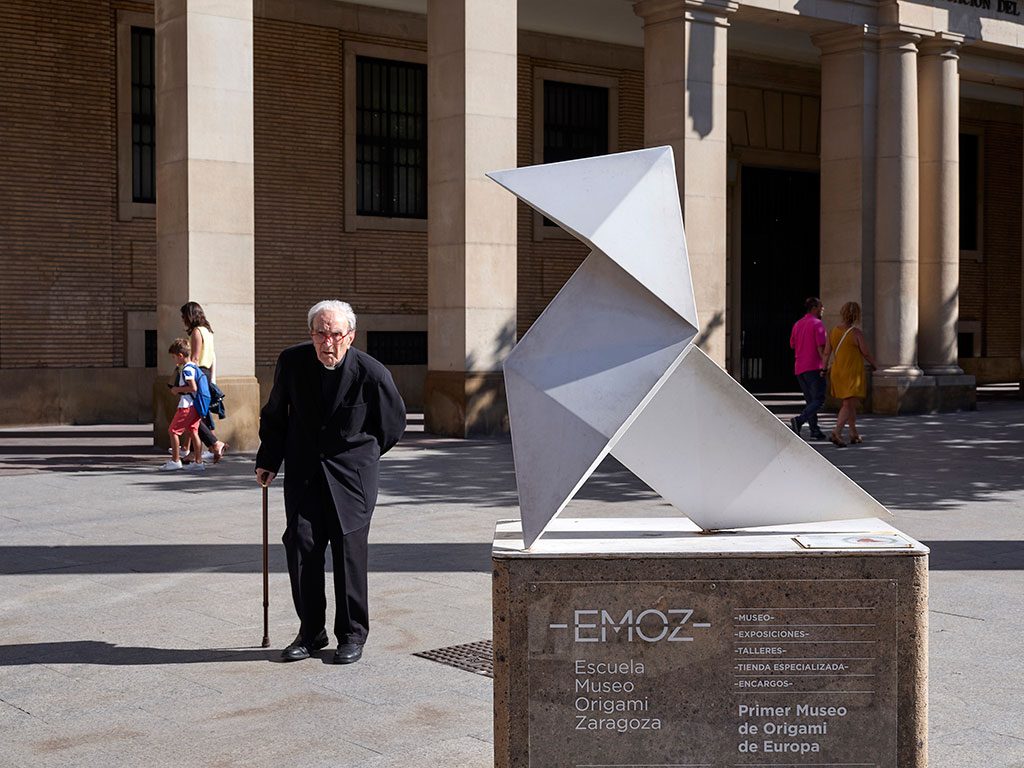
305 542
206 435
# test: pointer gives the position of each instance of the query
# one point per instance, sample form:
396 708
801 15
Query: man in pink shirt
808 343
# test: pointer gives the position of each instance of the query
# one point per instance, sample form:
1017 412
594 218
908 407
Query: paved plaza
131 599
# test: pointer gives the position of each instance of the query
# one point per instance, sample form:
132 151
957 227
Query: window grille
970 163
143 116
398 347
150 349
391 138
575 121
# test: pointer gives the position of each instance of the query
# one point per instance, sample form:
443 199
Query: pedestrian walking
808 339
847 377
205 356
332 413
186 415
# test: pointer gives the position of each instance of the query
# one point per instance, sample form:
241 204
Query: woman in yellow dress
847 378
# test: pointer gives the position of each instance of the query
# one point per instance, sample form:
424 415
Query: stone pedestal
463 404
956 392
240 429
646 642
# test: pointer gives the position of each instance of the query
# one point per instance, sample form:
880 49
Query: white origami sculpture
610 367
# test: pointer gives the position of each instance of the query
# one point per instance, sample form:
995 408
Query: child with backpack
193 389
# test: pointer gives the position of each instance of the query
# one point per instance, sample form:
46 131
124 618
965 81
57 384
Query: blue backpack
201 397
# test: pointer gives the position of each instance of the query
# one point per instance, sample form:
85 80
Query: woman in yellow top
847 377
203 354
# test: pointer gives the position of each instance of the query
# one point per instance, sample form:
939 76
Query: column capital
860 37
943 44
659 11
715 12
898 36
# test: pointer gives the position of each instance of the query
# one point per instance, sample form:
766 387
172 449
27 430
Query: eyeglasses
335 337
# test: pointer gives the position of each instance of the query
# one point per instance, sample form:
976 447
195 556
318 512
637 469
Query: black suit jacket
342 443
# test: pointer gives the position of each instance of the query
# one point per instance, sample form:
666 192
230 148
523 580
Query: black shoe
819 435
300 650
348 653
795 425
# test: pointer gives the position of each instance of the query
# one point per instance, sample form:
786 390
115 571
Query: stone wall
303 251
990 280
74 270
71 270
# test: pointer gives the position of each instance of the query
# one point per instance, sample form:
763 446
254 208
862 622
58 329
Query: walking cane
266 580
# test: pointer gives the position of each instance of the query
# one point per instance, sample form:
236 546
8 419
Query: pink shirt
808 334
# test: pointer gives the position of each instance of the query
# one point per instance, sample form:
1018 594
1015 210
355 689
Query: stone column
204 196
939 114
685 66
899 384
471 230
665 77
849 110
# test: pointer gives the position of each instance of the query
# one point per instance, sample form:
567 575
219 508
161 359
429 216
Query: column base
956 392
241 401
922 394
465 404
894 394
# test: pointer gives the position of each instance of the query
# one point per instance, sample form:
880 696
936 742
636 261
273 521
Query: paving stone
131 603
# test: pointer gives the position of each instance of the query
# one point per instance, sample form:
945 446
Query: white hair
342 308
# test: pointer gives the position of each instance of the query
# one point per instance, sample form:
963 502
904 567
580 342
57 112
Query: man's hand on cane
264 476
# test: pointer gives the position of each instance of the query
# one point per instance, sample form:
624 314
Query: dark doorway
779 263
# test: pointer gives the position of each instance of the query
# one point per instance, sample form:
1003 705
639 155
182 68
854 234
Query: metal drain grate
477 658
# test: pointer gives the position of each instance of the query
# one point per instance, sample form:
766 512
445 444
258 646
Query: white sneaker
171 465
194 467
207 456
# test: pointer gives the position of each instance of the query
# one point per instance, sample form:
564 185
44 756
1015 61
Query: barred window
143 117
575 121
398 347
391 138
970 163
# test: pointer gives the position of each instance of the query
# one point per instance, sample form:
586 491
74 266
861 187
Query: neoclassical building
259 155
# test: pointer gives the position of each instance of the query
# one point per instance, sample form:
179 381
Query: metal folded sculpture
610 367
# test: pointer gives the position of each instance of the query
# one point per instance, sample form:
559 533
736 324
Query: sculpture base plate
648 642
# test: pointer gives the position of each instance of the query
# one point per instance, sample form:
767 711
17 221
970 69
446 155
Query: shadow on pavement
461 557
229 558
937 462
907 462
98 652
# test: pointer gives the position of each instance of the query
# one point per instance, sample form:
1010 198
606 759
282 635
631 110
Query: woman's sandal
836 440
855 438
218 455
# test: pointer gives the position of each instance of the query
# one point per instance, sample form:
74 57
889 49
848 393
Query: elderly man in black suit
332 413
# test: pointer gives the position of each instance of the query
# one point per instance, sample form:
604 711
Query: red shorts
185 420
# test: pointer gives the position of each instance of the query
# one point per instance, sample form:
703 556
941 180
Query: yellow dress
846 376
